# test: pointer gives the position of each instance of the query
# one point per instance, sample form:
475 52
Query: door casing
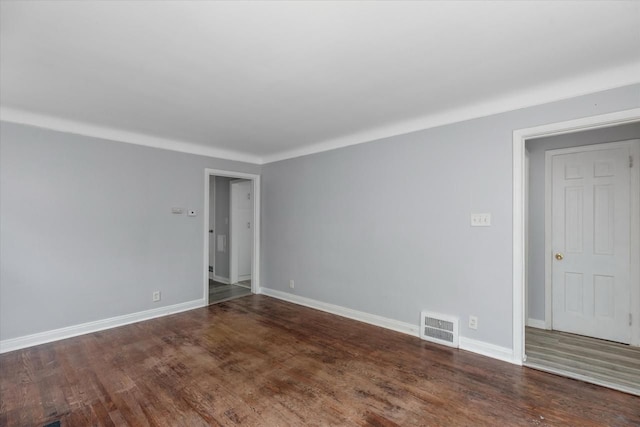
255 262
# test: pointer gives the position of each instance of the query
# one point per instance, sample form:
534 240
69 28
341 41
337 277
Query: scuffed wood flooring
257 361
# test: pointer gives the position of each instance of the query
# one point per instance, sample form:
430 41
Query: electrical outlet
473 322
156 296
291 284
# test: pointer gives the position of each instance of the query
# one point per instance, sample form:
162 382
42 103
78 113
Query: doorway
219 284
530 298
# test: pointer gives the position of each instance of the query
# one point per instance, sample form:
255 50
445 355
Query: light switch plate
480 219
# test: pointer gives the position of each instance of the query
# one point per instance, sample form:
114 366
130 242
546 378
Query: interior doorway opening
232 247
530 307
580 285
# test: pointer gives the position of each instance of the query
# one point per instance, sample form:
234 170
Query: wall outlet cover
473 322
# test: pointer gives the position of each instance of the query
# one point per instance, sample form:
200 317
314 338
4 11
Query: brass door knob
559 256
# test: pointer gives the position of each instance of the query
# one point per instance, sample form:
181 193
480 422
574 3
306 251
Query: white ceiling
262 81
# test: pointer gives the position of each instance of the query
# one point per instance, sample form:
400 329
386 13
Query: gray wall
222 223
384 227
537 149
86 230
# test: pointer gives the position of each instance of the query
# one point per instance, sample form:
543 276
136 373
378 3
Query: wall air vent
439 328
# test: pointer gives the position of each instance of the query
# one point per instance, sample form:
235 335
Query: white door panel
591 243
241 230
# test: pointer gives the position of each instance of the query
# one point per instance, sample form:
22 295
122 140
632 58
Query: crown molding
611 78
23 117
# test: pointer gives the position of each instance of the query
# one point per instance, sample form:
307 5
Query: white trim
372 319
244 277
104 132
242 285
221 279
468 344
635 246
536 323
255 266
486 349
527 249
552 92
519 192
598 81
98 325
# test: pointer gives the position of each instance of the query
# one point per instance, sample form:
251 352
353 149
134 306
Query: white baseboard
244 277
480 347
490 350
98 325
221 279
372 319
535 323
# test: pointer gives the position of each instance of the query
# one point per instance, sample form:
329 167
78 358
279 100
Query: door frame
520 136
634 189
255 262
234 277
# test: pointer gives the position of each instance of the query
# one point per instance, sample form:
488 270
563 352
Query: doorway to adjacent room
577 231
232 235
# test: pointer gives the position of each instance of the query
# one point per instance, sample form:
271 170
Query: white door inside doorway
590 223
241 230
212 226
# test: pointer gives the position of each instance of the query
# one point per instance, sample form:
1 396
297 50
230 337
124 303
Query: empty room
292 213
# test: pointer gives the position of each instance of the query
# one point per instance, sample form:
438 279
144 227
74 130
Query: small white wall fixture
520 136
255 266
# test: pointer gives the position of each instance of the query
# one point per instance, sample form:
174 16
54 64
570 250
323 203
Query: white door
212 224
241 230
590 214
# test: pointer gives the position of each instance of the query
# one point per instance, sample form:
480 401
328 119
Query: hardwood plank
260 361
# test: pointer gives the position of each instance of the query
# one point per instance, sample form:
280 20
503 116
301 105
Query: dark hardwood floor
257 361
